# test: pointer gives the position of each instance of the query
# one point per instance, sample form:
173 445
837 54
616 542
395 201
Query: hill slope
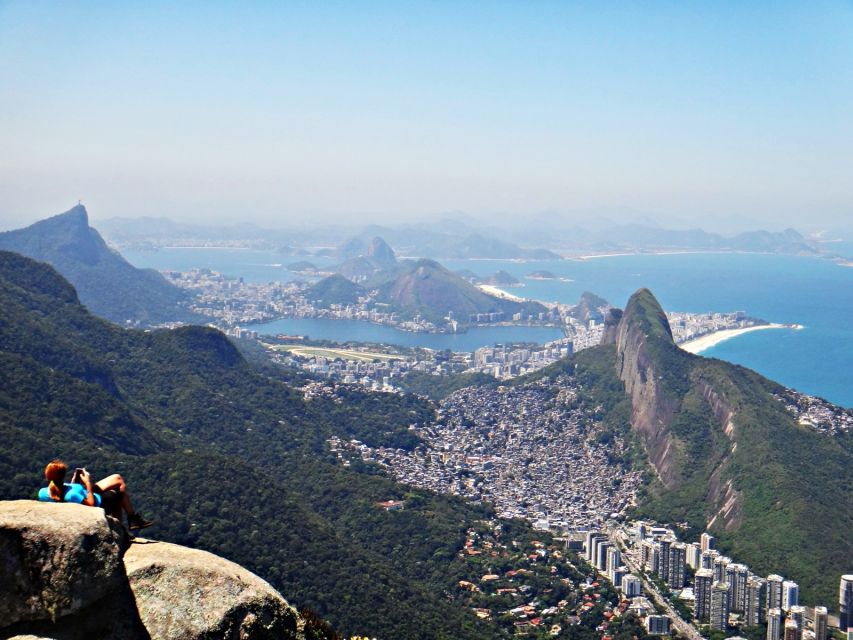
226 459
107 284
728 456
428 289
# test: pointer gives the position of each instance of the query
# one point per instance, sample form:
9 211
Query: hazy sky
700 113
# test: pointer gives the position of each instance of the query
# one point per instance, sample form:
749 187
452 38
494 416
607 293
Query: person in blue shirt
110 493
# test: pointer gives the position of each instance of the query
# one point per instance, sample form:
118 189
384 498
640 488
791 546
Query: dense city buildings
739 601
531 453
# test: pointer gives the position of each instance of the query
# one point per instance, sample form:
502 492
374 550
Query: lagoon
359 331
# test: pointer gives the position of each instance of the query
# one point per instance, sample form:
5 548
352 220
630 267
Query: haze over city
715 115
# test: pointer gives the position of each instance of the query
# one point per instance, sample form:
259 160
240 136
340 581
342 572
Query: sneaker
136 521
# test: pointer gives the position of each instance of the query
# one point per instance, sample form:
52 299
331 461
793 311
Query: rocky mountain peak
644 347
381 253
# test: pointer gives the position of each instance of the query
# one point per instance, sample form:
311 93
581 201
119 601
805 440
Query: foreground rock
57 559
184 593
65 571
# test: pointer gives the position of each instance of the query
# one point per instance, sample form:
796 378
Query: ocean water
812 292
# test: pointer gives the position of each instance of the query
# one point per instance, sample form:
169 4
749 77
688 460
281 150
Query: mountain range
545 237
107 284
411 287
181 413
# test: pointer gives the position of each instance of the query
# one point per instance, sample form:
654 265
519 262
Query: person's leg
116 483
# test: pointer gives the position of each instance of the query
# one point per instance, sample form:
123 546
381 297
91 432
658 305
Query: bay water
813 292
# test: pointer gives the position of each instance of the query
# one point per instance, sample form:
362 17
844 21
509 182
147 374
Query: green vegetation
335 289
230 459
769 488
439 387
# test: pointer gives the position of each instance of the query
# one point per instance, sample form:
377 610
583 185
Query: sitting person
110 493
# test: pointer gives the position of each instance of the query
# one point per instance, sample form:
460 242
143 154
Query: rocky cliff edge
69 573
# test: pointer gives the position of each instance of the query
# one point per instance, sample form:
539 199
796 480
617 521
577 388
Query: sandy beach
498 293
705 342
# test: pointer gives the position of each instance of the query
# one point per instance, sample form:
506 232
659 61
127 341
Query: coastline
703 343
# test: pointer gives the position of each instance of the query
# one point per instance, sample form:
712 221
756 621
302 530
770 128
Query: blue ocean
813 292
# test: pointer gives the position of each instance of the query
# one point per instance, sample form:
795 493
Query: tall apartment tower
774 591
736 576
845 602
707 542
601 557
756 601
693 556
797 613
719 617
774 623
677 558
631 585
614 561
819 623
702 590
721 563
650 556
790 595
590 538
792 629
706 560
663 547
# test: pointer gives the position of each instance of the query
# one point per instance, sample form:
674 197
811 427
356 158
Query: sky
693 114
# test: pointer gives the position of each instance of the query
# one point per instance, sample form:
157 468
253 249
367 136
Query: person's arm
90 499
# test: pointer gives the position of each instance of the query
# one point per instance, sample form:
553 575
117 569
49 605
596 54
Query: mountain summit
381 253
106 283
727 454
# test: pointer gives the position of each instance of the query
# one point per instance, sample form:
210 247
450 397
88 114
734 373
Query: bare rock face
186 594
57 559
67 572
643 327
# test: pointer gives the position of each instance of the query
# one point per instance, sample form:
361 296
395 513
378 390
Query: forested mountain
427 288
724 452
107 284
228 460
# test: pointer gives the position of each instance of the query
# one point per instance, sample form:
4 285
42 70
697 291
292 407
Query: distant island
546 275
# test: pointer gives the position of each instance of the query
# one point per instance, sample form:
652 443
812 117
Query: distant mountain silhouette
105 282
366 260
381 253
